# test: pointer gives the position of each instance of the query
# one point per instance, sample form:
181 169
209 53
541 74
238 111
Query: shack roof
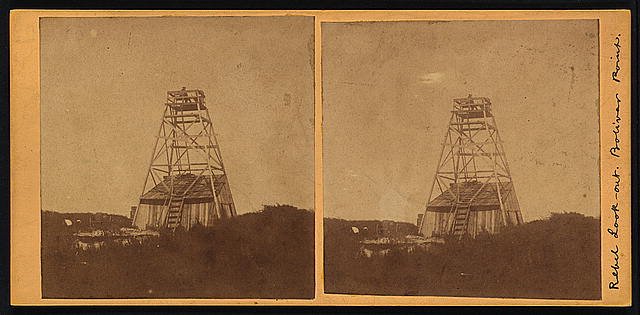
200 192
486 200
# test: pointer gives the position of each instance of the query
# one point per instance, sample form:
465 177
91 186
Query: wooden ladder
174 211
461 218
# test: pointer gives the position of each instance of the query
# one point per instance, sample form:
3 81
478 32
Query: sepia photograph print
136 117
461 158
320 158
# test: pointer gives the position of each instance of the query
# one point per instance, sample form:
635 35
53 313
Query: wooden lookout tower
186 183
472 190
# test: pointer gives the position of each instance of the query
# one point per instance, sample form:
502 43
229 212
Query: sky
387 94
104 83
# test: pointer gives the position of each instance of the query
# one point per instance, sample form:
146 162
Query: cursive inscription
614 74
616 129
614 207
614 231
615 150
613 285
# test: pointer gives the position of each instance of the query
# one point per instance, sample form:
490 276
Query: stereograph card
320 158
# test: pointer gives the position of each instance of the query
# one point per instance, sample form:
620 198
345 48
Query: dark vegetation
54 222
268 254
367 229
556 258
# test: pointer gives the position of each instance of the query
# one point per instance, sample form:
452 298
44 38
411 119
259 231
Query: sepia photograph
320 158
461 158
177 157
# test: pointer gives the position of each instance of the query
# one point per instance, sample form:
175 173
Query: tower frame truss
186 150
472 189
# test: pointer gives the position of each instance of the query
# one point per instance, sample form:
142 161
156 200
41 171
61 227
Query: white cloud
433 77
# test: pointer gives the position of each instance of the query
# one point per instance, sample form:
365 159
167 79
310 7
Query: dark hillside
268 254
368 229
557 257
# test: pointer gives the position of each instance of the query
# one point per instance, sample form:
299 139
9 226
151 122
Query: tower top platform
186 100
472 107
